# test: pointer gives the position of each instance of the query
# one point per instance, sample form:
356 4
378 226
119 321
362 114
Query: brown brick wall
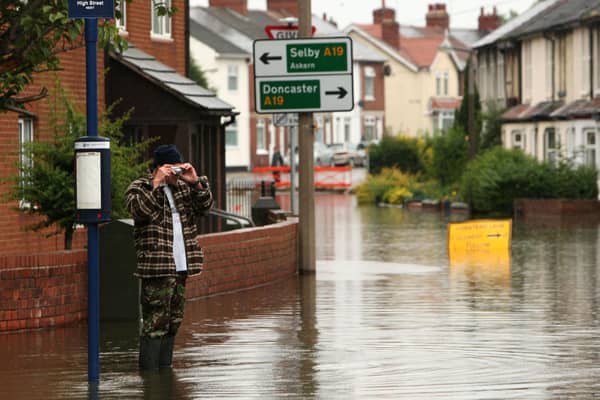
245 258
14 238
43 290
48 290
168 51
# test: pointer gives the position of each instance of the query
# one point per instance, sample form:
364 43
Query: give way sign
284 31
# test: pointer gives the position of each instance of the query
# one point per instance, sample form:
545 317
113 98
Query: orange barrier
325 177
281 176
333 177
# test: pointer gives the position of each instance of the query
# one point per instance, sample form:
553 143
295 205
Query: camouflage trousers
162 301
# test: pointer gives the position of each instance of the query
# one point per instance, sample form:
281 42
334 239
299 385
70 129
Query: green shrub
396 152
450 156
394 186
494 179
374 187
397 195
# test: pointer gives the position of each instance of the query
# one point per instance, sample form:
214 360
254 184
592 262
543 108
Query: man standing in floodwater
164 206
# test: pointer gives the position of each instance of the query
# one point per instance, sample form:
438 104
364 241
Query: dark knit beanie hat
167 154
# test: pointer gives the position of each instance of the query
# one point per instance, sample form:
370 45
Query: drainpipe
187 37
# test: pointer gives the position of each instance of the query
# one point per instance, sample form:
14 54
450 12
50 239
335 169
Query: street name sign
285 119
91 9
303 75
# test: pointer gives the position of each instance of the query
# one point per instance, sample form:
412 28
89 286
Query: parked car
322 155
348 154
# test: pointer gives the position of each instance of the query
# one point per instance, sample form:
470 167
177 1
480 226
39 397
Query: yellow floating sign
481 242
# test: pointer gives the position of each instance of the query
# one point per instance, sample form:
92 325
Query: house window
519 141
261 135
231 135
549 69
25 160
445 77
585 61
232 77
161 24
121 23
369 132
346 129
527 73
500 94
590 147
551 146
561 61
446 120
369 83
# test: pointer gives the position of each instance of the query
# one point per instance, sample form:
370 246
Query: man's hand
162 174
189 173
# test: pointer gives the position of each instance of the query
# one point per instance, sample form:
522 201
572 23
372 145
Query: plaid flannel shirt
153 226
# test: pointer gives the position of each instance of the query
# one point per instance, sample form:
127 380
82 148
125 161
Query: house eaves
169 80
506 30
212 21
386 48
217 42
562 15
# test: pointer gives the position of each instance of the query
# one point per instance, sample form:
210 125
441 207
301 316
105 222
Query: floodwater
384 317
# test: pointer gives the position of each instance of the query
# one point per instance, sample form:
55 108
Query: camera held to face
177 170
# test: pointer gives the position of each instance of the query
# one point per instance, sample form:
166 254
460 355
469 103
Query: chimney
437 16
390 29
283 6
239 6
489 22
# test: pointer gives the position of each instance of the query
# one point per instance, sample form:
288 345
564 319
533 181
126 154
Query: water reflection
385 317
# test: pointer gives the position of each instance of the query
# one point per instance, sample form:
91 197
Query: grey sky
463 13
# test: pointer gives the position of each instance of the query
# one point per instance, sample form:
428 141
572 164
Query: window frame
261 138
164 22
232 77
370 83
26 135
231 131
590 148
551 153
121 23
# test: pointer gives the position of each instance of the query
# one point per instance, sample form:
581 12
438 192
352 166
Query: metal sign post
91 11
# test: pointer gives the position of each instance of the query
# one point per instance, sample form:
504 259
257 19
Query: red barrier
325 177
333 177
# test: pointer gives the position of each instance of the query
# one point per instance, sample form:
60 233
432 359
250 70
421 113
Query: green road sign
303 75
303 56
304 94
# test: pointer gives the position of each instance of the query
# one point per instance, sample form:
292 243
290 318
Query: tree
198 75
491 134
34 33
461 119
47 183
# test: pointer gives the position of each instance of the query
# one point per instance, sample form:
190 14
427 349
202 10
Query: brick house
150 77
425 66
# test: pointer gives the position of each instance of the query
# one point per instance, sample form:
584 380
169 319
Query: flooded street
385 317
